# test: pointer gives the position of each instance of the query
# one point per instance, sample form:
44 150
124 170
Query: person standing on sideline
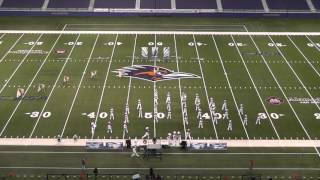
83 163
134 152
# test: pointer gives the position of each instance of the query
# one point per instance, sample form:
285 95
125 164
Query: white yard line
180 93
255 88
204 85
105 82
154 89
163 32
15 43
25 57
316 71
285 96
294 72
30 84
53 87
2 36
230 87
77 92
8 80
130 79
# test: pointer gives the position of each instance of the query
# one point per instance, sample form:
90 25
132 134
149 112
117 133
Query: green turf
239 62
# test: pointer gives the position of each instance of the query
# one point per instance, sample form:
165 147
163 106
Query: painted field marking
77 92
204 85
229 84
255 87
163 32
285 96
30 84
180 93
130 79
53 87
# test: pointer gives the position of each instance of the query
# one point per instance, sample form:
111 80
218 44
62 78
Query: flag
144 52
155 51
166 52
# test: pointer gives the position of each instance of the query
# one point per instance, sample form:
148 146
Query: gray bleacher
155 4
22 3
196 4
288 4
115 4
68 3
242 4
316 4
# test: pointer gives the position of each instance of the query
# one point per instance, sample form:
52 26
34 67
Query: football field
270 83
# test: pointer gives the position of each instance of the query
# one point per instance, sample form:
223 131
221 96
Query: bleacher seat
155 4
288 4
22 3
316 4
115 4
241 4
68 4
196 4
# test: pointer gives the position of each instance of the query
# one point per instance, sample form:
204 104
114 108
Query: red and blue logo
152 73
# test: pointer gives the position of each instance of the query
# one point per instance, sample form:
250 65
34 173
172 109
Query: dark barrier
214 14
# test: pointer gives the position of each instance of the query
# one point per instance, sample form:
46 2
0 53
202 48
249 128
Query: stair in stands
265 6
219 5
311 6
45 4
91 5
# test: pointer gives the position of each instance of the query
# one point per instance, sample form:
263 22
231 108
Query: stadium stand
22 4
115 4
155 4
288 4
243 4
316 4
68 4
196 4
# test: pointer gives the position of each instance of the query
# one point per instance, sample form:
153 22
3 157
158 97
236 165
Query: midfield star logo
152 73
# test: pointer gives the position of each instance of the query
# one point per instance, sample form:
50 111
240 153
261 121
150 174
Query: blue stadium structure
250 8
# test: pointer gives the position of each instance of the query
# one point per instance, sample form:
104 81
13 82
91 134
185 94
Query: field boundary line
229 84
230 142
204 85
255 87
161 32
284 94
53 87
182 153
180 92
77 92
173 169
30 84
130 79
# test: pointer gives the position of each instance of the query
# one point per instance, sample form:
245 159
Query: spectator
95 172
83 163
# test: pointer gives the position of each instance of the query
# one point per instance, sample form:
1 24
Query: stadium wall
205 14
